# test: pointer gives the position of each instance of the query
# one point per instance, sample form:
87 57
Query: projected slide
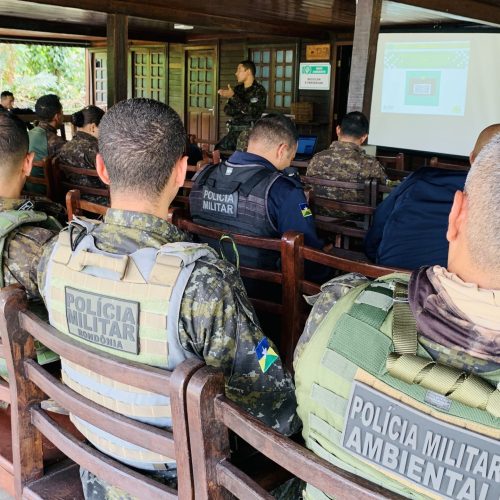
425 78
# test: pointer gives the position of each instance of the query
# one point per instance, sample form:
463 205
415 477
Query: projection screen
435 92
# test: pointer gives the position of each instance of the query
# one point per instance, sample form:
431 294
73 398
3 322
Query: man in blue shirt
250 194
409 226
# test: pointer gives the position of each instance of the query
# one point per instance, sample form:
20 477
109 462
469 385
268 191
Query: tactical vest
10 220
379 407
127 305
234 198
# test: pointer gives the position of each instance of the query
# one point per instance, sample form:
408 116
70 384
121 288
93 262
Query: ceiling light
183 27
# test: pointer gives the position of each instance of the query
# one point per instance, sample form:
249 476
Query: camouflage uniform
81 152
244 108
343 161
21 254
24 246
216 322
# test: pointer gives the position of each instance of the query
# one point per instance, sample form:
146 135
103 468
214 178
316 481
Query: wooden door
201 93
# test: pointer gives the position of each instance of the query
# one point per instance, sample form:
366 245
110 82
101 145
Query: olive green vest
374 403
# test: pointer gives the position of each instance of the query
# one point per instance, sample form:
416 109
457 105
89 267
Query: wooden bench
212 416
29 383
61 173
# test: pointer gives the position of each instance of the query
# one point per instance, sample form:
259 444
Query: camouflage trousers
234 140
95 488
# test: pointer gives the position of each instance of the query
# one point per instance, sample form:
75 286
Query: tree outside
30 71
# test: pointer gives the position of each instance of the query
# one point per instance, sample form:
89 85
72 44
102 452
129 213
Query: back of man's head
247 64
354 124
13 144
484 137
140 141
47 106
272 130
482 188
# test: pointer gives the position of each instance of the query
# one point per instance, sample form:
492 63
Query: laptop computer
306 147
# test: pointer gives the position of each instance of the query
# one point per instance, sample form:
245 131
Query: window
148 73
275 71
100 79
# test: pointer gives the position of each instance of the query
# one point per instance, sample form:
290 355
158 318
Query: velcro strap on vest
404 327
373 304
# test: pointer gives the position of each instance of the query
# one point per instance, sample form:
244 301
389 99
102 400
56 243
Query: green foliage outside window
30 71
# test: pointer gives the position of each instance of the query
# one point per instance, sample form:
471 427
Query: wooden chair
296 257
265 276
46 180
212 416
6 466
182 198
436 163
75 206
63 184
393 162
356 221
29 384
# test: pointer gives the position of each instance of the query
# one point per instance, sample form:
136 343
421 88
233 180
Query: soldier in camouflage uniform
145 167
82 149
23 246
345 160
455 315
23 232
246 104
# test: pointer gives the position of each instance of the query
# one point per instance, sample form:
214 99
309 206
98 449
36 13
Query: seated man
250 194
6 101
398 381
23 231
191 303
346 161
409 226
44 140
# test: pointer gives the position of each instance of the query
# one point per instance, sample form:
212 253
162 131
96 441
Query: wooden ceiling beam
485 11
25 24
151 9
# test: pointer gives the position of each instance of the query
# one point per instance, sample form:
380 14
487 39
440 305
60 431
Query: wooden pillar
364 51
117 33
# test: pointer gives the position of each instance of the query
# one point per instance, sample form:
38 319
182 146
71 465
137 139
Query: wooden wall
176 77
231 52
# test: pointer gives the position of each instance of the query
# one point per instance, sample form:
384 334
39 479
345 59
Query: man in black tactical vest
250 194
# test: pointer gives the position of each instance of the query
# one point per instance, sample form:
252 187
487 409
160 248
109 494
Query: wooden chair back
436 163
297 255
29 383
63 184
354 224
47 180
6 466
265 276
392 162
212 416
75 206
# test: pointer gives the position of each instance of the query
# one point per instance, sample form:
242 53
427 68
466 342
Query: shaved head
484 137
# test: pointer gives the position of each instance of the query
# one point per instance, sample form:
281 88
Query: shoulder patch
305 210
265 355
